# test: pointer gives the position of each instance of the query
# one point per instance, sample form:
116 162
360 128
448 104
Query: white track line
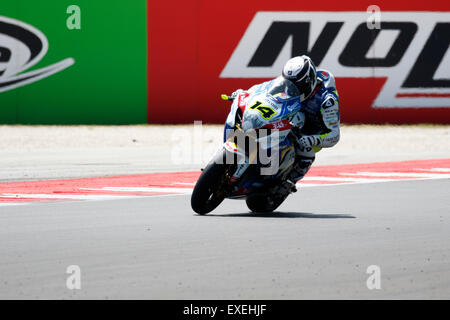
399 174
143 189
349 179
5 204
300 184
64 196
185 183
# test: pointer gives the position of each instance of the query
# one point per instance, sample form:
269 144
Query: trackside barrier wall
147 61
398 74
53 73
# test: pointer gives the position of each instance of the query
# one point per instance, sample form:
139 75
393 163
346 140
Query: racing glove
310 141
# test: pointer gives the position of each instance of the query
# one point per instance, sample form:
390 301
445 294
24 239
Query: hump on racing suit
322 111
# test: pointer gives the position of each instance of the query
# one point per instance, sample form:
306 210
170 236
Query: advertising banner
72 62
391 60
148 61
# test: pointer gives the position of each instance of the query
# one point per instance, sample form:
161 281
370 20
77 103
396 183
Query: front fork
243 160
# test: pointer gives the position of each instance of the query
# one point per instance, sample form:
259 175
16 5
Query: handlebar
227 97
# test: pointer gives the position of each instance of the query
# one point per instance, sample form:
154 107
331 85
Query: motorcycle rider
319 111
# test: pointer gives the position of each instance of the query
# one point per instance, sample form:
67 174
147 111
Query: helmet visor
307 84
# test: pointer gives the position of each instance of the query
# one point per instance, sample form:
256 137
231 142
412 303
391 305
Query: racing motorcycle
269 118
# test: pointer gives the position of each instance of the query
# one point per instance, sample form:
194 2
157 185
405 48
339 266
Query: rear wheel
263 203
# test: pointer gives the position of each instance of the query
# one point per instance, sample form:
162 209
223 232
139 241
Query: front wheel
207 193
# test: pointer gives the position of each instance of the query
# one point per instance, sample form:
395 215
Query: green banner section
73 62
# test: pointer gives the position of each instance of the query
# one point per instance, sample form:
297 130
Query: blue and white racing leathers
321 121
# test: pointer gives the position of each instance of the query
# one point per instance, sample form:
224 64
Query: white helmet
302 72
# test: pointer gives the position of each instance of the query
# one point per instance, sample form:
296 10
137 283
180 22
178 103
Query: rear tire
263 203
204 198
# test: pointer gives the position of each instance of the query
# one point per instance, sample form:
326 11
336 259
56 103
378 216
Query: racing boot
300 168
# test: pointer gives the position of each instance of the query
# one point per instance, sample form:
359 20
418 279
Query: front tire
204 197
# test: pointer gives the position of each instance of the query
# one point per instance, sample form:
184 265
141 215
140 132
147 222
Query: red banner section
390 61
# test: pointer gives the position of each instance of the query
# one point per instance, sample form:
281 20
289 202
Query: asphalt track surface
318 245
